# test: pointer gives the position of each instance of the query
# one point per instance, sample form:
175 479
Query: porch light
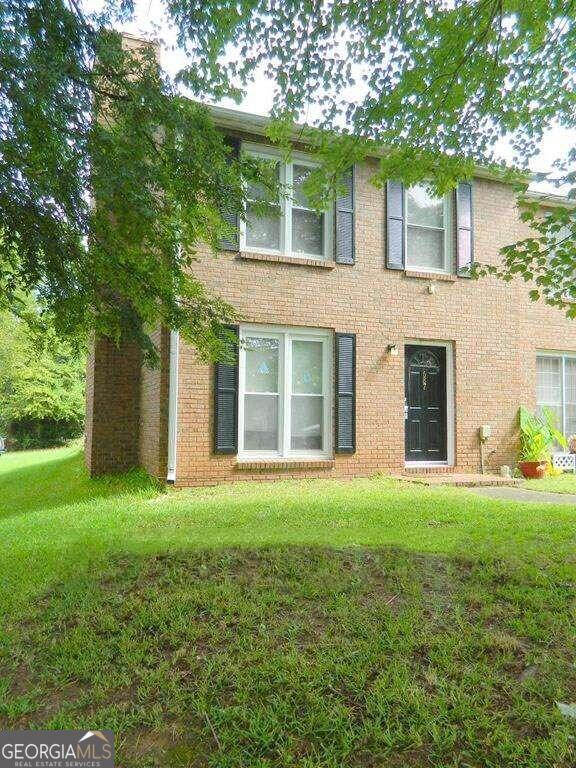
392 350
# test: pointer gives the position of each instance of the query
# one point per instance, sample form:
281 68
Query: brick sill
286 464
270 257
430 276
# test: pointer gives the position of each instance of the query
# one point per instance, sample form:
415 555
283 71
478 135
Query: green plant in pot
538 435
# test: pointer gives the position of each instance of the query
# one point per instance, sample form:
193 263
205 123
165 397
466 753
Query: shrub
538 435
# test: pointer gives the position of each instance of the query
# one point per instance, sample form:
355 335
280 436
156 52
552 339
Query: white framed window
560 292
292 228
429 230
556 387
285 397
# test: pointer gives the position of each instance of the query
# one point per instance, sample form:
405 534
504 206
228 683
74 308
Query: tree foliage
102 216
433 87
41 381
438 87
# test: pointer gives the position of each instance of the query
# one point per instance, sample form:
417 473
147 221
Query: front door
425 405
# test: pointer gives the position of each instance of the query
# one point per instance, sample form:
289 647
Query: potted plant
538 435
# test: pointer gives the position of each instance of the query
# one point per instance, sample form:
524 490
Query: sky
149 23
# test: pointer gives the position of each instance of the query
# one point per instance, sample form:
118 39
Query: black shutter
229 212
345 390
464 229
395 257
345 221
226 403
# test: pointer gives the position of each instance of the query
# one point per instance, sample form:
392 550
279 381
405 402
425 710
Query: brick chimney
122 396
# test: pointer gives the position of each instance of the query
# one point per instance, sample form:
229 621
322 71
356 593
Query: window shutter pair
344 250
226 398
395 221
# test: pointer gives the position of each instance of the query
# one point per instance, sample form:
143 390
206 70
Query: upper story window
429 230
561 242
290 227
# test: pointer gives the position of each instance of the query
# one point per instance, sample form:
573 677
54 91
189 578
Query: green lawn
311 624
565 483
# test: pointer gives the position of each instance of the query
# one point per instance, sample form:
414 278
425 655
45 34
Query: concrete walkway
525 495
459 479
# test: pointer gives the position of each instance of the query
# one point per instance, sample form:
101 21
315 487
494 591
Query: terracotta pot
533 470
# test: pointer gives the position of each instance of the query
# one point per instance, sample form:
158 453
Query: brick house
364 346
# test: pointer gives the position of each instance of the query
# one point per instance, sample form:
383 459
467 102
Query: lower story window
556 388
285 387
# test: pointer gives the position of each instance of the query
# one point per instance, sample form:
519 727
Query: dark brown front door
425 406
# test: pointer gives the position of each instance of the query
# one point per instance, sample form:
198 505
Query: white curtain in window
263 227
425 209
549 388
261 398
570 395
307 225
426 223
425 248
307 401
284 392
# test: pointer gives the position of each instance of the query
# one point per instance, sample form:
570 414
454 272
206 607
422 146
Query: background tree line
41 382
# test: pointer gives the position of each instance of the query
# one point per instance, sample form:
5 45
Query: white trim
286 335
286 207
554 353
450 404
173 405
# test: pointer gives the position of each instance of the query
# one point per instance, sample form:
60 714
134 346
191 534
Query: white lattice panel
565 461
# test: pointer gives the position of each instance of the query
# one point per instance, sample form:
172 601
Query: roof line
236 119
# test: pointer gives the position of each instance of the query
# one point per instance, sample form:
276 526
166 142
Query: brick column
154 403
112 407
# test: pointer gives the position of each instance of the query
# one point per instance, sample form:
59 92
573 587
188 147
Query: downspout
173 406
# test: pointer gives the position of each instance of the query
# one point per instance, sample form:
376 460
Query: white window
292 227
285 393
429 230
556 388
562 238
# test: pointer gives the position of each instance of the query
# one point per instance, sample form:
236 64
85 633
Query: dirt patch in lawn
302 656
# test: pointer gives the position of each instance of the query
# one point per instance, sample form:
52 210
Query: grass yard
309 624
565 483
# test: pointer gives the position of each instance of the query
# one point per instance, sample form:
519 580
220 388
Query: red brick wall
153 435
127 408
112 407
494 328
